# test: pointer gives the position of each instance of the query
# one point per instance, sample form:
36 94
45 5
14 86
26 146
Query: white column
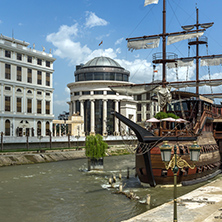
55 130
25 101
116 120
14 101
82 115
92 119
2 98
59 129
43 127
105 117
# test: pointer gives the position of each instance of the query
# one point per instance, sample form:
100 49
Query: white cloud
93 20
1 21
119 41
67 90
20 24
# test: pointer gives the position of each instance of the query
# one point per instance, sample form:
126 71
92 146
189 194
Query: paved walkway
201 205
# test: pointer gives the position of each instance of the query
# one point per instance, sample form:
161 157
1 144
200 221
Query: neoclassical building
26 95
93 100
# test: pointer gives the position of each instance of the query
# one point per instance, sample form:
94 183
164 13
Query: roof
102 61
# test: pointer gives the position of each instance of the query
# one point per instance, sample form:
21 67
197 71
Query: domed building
93 100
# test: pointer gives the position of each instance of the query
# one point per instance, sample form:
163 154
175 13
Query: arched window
29 91
7 127
19 90
47 132
39 128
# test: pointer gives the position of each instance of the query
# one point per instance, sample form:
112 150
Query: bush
163 115
95 146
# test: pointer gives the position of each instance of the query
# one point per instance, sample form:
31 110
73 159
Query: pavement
201 205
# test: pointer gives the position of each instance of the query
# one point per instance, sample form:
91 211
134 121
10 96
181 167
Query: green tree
95 146
163 115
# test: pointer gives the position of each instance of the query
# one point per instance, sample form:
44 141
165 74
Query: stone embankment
19 158
42 156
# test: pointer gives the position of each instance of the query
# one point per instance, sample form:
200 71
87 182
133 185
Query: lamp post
177 162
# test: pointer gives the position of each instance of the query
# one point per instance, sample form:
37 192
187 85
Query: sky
73 30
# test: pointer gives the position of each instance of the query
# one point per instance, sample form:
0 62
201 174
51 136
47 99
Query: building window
147 107
19 105
47 81
19 56
39 78
47 94
139 97
29 59
47 107
147 96
29 105
19 73
98 92
7 71
138 117
7 127
139 107
76 93
47 132
7 54
29 78
39 106
39 92
86 93
29 91
19 90
111 93
47 63
7 103
39 128
147 116
39 62
8 88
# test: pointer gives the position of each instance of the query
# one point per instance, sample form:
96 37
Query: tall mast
197 53
164 44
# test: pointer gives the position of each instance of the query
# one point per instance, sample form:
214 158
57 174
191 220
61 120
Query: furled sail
211 61
148 2
143 43
181 63
183 84
176 38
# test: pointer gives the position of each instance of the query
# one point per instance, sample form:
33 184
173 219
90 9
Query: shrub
95 146
163 115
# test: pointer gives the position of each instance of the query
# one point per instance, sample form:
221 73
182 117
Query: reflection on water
65 191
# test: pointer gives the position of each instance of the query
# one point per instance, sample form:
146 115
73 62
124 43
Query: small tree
95 147
95 150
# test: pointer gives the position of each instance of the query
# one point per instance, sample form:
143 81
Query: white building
26 95
91 97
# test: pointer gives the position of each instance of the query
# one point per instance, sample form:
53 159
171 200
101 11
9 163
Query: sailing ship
201 117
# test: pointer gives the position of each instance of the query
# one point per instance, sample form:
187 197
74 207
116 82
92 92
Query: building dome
101 69
102 61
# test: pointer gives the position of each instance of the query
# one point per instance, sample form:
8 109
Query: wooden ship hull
150 168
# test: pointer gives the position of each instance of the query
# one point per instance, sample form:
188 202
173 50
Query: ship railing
175 132
217 134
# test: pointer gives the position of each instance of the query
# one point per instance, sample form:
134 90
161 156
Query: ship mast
164 45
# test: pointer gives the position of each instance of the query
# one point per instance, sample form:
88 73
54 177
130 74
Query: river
65 192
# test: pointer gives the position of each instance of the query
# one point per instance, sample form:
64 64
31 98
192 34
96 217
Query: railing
217 134
175 132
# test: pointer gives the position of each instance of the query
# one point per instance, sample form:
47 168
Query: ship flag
148 2
101 43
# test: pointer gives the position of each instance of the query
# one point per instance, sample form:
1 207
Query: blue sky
73 30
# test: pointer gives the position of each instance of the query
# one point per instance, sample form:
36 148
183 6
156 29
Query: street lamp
177 162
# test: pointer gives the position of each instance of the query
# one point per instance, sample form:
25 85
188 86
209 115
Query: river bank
201 205
44 156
